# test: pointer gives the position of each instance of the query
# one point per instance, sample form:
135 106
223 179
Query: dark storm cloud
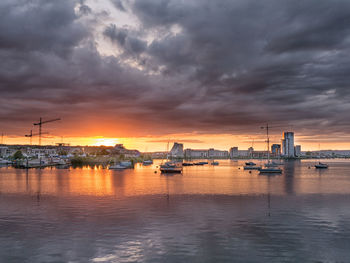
119 5
203 66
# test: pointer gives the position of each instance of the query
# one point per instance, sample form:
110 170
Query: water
207 214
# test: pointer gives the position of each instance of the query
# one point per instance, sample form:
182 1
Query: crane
267 127
40 123
31 134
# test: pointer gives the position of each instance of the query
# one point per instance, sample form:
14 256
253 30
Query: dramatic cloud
161 66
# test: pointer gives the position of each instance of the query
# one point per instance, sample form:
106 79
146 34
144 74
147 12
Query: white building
190 153
288 144
4 151
234 152
297 150
177 151
212 153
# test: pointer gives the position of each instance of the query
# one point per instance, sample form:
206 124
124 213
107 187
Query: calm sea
207 214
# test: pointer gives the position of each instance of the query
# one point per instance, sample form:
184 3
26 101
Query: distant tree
18 155
103 152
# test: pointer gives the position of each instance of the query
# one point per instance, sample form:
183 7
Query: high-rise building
177 151
288 144
276 149
297 150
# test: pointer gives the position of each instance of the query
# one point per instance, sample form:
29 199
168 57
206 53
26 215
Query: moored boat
117 167
270 170
250 163
171 167
321 165
147 162
248 167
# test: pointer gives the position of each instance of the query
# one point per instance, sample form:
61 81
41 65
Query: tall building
288 144
234 152
276 149
297 150
177 151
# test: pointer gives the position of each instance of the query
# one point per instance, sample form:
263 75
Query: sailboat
269 169
320 165
170 166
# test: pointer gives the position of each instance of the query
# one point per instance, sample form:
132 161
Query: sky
205 73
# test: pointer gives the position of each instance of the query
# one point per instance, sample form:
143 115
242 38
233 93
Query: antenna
2 138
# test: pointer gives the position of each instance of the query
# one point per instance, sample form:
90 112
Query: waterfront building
297 150
234 152
190 153
177 151
276 150
288 144
4 151
209 153
212 153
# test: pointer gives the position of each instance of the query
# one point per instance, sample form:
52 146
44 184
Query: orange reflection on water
226 179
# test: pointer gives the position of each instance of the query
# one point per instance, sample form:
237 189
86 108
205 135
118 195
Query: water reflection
208 214
227 179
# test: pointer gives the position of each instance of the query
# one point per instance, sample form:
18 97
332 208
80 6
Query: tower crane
40 123
31 134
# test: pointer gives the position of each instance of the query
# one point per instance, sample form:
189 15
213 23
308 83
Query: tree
18 155
103 152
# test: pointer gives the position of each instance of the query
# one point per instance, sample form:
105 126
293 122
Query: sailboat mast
268 143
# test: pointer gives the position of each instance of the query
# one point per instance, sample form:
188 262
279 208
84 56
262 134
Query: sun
105 141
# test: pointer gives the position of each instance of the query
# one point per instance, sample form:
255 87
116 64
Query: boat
269 168
250 167
126 164
147 162
272 164
214 163
187 164
117 167
250 163
171 167
321 165
200 163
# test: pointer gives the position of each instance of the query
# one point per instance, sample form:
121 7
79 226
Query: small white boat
147 162
126 164
321 166
117 167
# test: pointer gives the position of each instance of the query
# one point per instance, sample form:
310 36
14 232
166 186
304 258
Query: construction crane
267 127
31 134
40 123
